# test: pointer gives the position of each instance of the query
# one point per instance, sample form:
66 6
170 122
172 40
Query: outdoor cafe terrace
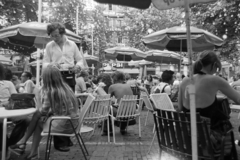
127 147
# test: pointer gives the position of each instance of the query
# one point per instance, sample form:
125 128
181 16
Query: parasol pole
38 50
77 12
180 57
191 87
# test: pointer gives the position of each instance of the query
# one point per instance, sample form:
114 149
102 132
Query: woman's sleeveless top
205 112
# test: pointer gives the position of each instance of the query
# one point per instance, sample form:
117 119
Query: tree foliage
17 11
222 19
139 23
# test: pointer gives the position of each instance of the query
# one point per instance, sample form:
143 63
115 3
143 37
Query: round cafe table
5 114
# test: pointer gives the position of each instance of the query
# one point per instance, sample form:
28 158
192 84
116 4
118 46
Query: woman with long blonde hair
57 100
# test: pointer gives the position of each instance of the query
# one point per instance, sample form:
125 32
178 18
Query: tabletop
15 113
82 94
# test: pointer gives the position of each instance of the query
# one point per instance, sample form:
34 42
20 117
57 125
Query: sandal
18 149
33 157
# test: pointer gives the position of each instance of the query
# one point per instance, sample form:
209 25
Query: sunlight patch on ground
164 156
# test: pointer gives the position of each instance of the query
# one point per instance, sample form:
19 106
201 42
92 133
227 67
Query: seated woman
81 79
207 85
175 87
16 82
156 80
104 81
166 85
148 83
58 100
6 89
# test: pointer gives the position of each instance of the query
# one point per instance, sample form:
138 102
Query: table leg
4 139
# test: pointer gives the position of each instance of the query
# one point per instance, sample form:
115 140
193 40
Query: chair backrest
128 106
84 110
174 134
82 97
162 101
143 92
147 102
135 90
148 88
99 109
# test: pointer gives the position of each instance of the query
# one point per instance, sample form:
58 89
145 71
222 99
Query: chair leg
113 130
77 137
238 115
139 121
234 150
151 143
127 124
47 147
146 118
160 153
83 144
38 153
108 130
50 147
153 128
102 127
93 131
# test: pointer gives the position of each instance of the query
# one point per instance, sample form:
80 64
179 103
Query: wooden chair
100 111
76 133
160 101
128 109
174 136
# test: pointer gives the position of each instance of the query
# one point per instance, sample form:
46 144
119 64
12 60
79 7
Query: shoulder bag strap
164 88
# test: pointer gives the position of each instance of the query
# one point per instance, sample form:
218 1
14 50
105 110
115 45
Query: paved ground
127 147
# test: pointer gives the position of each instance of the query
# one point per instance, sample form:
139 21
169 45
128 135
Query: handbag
220 120
221 127
21 101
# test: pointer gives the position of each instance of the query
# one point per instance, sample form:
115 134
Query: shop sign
116 65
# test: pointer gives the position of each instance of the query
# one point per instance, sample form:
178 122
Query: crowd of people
57 97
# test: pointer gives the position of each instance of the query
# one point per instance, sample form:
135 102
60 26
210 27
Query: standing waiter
64 52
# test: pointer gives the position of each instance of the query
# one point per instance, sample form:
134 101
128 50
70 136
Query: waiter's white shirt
66 56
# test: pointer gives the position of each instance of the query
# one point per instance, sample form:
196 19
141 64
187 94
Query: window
125 39
110 7
119 39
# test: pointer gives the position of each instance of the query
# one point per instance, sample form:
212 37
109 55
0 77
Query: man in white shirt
62 50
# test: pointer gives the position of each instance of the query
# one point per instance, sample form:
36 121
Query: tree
150 20
17 11
222 19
